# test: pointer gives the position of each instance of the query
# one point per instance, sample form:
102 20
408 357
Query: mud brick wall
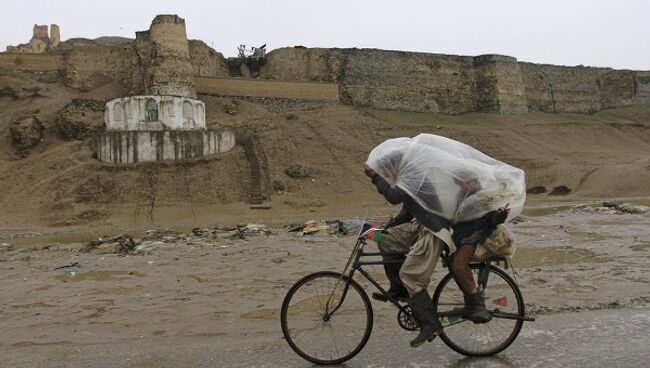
205 61
552 88
163 61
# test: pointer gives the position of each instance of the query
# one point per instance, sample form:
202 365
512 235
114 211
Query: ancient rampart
392 80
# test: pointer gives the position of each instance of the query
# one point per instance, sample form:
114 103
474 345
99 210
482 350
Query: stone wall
205 61
127 147
162 61
397 80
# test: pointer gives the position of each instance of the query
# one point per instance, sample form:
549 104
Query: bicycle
320 306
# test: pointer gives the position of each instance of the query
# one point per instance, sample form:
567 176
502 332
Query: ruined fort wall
552 88
363 77
31 62
86 67
205 61
382 79
451 84
499 85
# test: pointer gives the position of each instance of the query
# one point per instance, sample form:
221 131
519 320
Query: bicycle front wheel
315 332
502 298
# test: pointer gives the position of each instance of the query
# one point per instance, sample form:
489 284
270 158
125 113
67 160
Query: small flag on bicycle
503 301
375 235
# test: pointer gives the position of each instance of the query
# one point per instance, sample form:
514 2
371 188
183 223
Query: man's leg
416 275
474 303
397 239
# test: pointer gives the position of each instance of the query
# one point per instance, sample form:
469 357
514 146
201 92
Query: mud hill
589 130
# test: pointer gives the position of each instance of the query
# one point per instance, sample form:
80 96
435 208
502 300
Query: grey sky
612 33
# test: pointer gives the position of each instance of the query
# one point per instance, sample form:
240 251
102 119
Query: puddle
551 256
566 289
33 305
262 314
34 343
97 276
545 210
117 291
640 247
586 236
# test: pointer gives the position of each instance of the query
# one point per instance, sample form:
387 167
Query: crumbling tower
55 35
170 67
161 120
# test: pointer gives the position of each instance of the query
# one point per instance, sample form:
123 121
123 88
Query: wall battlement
162 61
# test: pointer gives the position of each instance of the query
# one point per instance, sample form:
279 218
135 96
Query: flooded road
607 338
214 301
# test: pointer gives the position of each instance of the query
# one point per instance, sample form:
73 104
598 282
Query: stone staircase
256 195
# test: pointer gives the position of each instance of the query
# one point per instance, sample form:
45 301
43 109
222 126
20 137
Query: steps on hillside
255 191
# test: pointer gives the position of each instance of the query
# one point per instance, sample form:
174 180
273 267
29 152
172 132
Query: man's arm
393 195
402 217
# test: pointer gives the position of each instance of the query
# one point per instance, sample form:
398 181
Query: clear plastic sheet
449 178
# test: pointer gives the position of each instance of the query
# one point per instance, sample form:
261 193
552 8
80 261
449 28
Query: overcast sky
614 33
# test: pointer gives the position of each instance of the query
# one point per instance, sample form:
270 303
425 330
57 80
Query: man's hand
368 171
502 214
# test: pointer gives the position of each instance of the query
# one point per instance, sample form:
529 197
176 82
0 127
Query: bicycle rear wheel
315 336
502 298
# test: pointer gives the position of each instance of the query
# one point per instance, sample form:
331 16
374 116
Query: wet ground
215 302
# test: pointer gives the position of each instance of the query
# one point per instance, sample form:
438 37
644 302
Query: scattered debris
125 244
348 226
616 208
297 171
26 133
253 229
67 267
519 219
626 207
147 247
230 108
80 119
313 227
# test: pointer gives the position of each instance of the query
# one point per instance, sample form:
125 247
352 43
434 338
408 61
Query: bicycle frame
355 264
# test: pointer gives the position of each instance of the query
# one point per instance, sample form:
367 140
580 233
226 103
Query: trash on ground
122 244
316 227
74 264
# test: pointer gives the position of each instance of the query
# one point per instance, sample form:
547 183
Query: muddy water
215 302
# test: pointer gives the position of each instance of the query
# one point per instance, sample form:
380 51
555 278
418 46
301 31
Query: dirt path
199 301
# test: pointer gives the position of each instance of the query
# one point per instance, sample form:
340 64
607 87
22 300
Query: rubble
297 171
122 244
26 133
616 208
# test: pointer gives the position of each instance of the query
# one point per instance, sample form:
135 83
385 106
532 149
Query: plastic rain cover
449 178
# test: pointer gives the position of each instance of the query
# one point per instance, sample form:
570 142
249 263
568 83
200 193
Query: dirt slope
59 183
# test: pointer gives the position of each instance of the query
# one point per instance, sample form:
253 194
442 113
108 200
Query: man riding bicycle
425 230
421 231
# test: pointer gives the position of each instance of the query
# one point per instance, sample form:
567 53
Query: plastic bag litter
499 243
449 178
